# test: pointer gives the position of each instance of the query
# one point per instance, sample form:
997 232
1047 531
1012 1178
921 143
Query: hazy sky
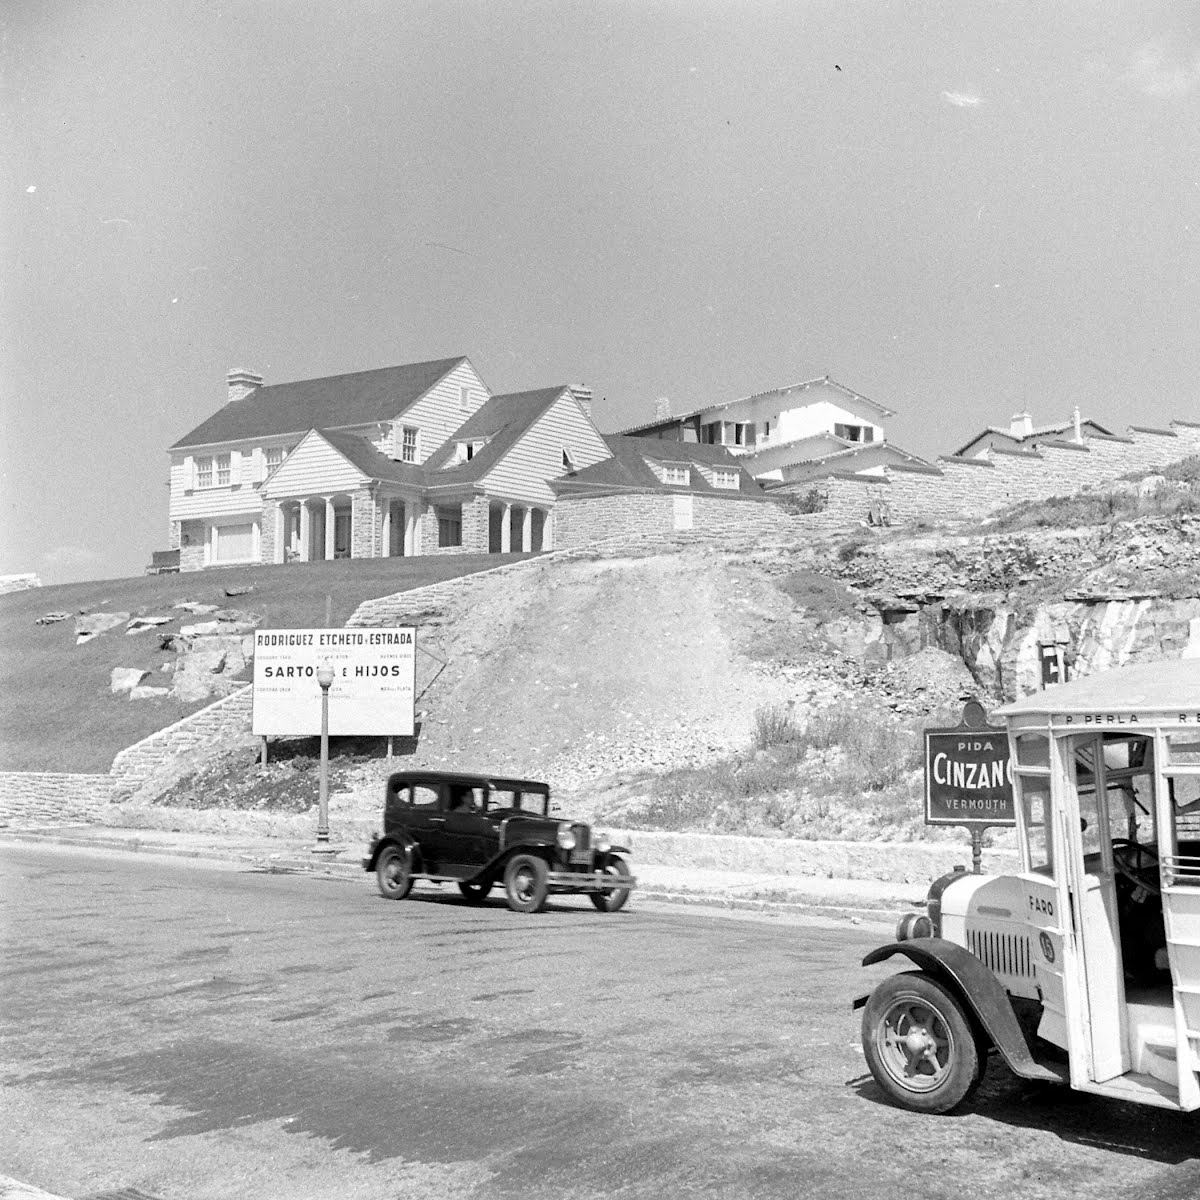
990 206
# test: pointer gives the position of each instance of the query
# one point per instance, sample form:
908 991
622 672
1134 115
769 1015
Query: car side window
424 797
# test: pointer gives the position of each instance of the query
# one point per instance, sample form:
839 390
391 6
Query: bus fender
974 983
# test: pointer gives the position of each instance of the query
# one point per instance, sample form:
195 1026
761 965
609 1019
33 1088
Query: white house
414 459
775 431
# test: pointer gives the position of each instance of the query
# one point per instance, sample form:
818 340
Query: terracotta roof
1037 431
503 420
336 401
661 422
627 468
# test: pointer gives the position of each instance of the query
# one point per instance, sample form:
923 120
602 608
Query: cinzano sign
968 777
374 681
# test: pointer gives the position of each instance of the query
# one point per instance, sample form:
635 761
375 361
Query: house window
204 473
677 476
726 479
449 519
222 470
567 461
711 434
274 457
464 399
408 444
853 433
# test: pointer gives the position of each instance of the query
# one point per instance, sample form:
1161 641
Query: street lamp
325 679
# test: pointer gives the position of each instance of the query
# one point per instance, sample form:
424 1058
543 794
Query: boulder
148 693
93 625
125 679
141 624
52 618
195 607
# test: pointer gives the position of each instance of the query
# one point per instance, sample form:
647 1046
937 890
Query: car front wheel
393 873
613 899
919 1045
525 886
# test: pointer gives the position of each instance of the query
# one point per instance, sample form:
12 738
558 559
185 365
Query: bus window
1035 814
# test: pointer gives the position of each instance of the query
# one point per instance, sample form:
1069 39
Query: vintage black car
480 830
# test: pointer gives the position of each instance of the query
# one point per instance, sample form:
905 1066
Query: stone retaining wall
138 762
41 797
971 487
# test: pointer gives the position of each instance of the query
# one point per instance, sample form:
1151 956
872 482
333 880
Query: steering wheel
1137 863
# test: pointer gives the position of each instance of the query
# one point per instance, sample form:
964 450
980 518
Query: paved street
191 1031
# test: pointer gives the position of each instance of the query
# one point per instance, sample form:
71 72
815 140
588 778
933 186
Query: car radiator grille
1005 953
583 844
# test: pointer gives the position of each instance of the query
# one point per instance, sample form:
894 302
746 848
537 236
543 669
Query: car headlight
566 839
603 845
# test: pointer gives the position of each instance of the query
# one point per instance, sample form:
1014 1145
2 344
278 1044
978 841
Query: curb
848 907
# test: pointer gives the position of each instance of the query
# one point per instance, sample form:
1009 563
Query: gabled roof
627 468
820 381
334 402
371 462
503 420
1018 439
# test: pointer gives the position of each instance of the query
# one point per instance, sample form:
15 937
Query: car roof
499 782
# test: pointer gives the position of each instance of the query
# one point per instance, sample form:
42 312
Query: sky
961 210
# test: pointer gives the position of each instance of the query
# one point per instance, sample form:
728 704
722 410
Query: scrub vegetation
854 770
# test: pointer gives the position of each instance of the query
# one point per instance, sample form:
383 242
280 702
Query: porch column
330 528
305 531
385 551
410 529
548 530
278 554
506 530
527 530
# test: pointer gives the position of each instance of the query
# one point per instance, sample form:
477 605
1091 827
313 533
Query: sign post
325 681
968 777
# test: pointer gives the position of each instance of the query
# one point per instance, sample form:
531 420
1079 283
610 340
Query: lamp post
325 679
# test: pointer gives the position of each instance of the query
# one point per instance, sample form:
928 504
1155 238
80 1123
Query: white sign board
374 681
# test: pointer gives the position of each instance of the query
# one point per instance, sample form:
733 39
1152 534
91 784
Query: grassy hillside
56 710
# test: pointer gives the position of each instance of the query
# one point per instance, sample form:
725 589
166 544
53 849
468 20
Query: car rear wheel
475 893
613 899
525 886
919 1044
393 873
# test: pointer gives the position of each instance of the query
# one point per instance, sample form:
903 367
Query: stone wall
579 520
366 522
968 487
138 762
41 797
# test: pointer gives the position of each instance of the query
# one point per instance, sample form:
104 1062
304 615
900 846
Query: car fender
974 983
402 841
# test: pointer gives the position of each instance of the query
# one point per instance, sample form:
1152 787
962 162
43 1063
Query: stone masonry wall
579 520
138 762
41 797
962 487
365 522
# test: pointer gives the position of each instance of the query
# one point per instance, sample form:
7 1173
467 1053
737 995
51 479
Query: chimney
1075 418
662 408
242 383
583 396
1021 425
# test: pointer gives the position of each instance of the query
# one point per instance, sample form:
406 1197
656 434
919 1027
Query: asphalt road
175 1030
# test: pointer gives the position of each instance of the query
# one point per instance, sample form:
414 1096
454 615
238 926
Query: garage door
233 543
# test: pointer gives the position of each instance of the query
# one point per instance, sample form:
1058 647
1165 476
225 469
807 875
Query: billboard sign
374 681
968 775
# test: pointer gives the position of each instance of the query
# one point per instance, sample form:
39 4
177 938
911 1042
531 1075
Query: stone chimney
242 383
1021 425
662 408
583 395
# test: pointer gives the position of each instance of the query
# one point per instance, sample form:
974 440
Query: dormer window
567 461
726 479
677 476
465 451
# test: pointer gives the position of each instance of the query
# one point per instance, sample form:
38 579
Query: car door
424 821
465 832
